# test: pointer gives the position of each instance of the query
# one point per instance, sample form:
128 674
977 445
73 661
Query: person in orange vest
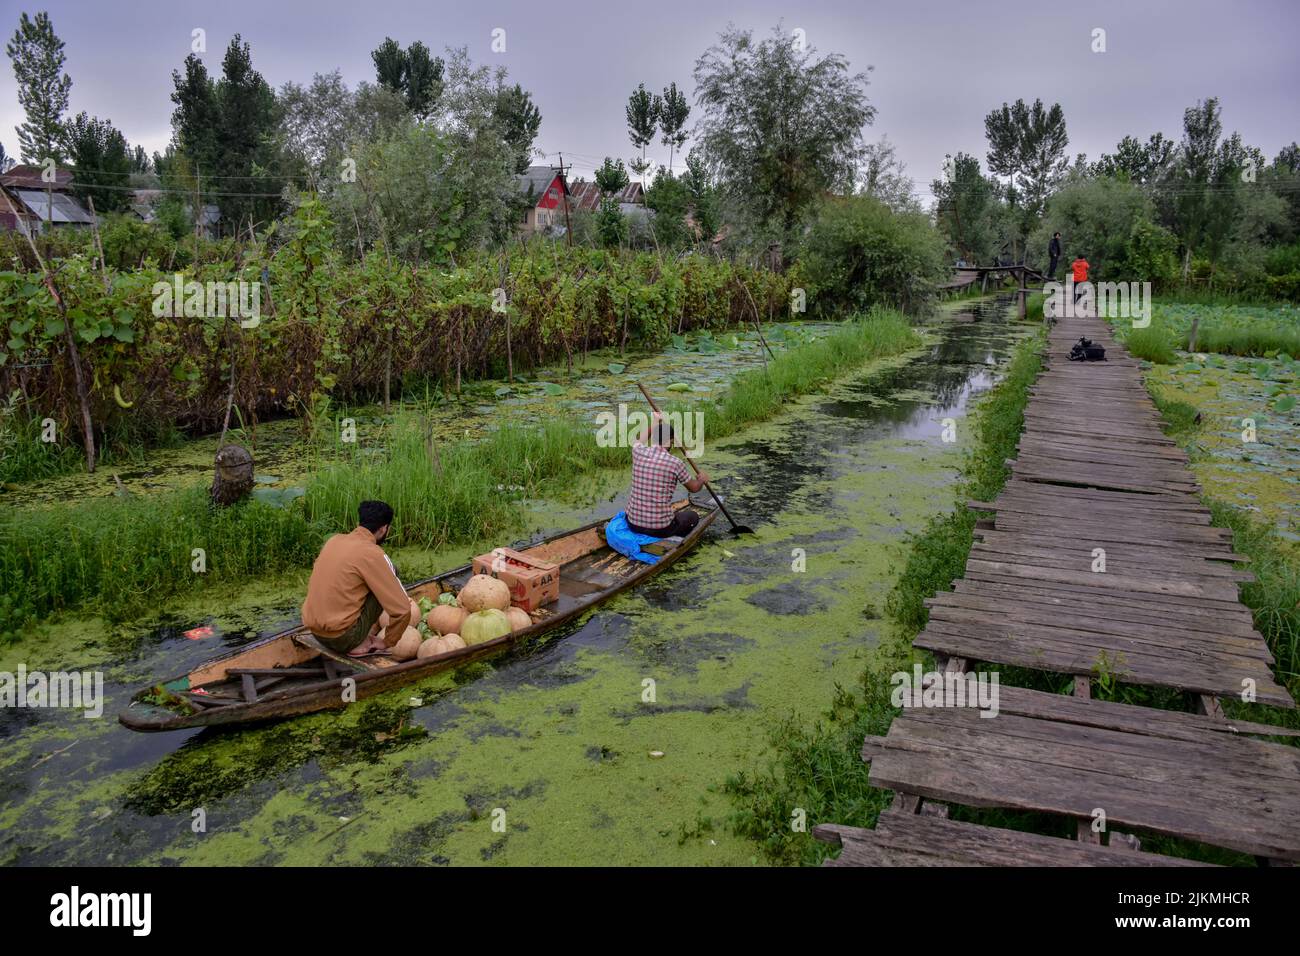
1080 267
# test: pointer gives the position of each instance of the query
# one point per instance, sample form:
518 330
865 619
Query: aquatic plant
1225 329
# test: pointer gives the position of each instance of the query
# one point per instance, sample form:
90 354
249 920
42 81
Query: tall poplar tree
37 56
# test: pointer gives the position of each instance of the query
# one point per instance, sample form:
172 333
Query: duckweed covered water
606 743
1240 399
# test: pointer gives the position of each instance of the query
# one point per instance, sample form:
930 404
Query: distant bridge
966 276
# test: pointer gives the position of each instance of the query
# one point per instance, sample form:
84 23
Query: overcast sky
939 66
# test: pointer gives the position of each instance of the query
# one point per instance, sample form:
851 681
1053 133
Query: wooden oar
735 528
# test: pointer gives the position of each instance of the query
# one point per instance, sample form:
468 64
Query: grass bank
819 769
123 557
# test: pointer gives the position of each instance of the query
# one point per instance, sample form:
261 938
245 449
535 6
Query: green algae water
605 743
1262 475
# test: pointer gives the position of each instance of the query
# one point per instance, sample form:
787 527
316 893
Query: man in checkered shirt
656 472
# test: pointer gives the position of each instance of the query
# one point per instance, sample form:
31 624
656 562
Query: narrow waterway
607 743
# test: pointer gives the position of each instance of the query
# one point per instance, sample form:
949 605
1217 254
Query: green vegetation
758 394
1220 329
1206 214
861 252
1273 598
126 555
1244 331
820 769
1152 343
333 329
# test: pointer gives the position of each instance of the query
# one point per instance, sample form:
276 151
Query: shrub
859 253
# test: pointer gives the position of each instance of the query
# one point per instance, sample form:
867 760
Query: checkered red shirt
655 474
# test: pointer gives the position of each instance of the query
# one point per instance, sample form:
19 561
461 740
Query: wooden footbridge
1095 480
966 276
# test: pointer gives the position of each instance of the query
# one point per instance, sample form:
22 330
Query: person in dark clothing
1054 251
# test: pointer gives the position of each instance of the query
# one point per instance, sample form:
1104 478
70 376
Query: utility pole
568 228
198 215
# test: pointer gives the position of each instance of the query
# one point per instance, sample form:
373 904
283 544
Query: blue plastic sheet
627 542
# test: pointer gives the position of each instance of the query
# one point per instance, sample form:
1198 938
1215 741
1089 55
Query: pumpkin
519 619
415 614
407 646
483 626
440 645
483 592
445 619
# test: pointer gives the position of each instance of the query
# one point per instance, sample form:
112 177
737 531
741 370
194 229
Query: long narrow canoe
290 673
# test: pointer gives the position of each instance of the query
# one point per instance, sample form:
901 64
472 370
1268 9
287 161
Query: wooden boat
290 673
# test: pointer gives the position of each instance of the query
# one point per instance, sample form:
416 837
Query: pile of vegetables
480 613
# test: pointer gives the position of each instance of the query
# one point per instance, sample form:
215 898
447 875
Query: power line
134 189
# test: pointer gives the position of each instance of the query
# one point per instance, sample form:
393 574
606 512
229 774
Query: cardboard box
533 583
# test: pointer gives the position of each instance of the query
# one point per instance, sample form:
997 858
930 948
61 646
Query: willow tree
781 126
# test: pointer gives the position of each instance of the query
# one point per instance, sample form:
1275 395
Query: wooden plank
1129 583
981 596
1094 469
1163 565
1189 606
921 840
1220 674
1076 625
1073 774
1129 718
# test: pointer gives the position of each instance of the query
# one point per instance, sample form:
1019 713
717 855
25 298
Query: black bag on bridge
1085 350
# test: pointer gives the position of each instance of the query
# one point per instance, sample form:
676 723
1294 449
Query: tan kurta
348 567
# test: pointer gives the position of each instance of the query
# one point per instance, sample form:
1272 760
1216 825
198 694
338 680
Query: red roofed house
545 190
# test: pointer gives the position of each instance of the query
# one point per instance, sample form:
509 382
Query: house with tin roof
37 201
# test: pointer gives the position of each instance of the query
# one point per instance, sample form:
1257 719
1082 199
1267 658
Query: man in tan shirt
353 581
